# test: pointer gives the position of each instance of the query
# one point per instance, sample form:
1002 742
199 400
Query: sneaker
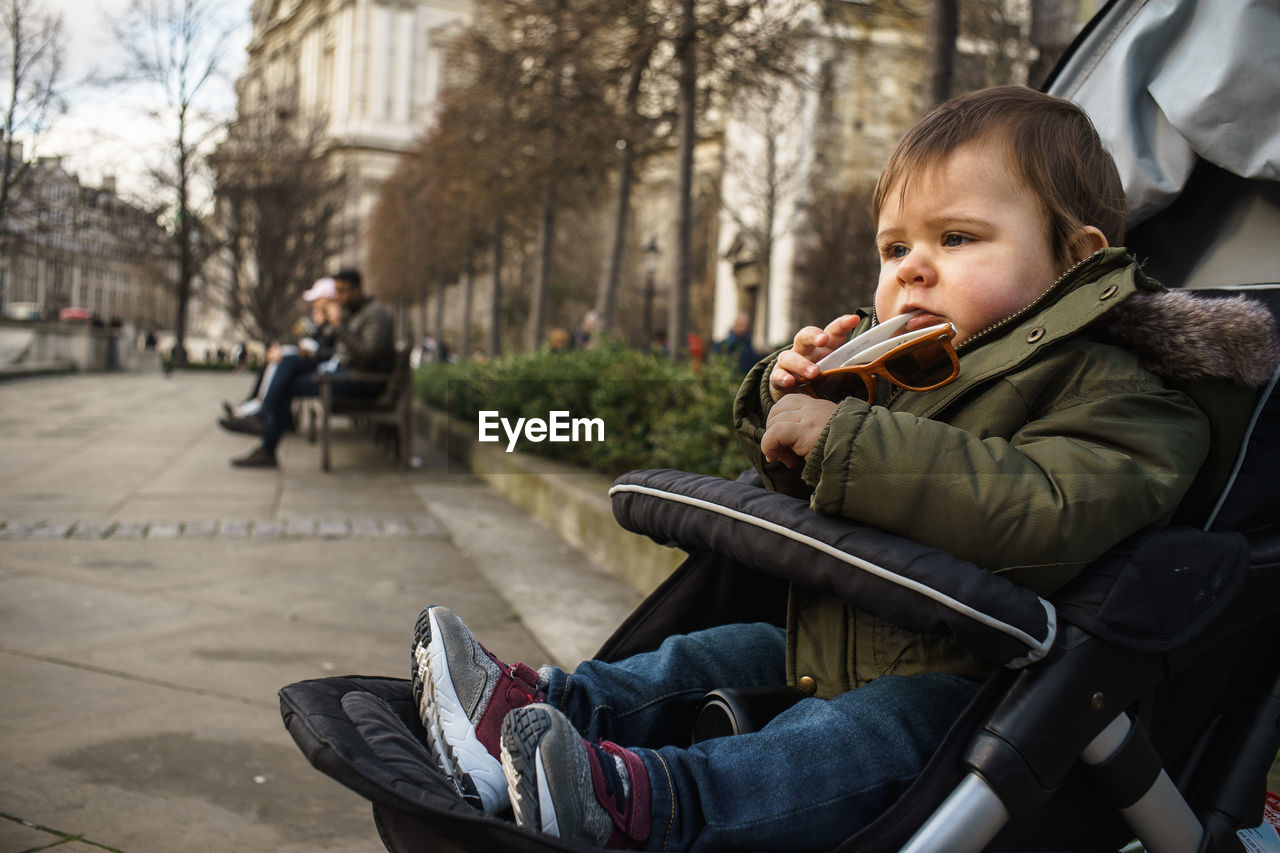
259 458
463 693
561 784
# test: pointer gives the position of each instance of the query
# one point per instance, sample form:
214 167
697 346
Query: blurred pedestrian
738 346
315 340
559 340
584 337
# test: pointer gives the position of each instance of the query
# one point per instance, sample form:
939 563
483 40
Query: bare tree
33 41
545 57
765 178
279 206
721 46
447 202
176 48
400 233
636 133
687 135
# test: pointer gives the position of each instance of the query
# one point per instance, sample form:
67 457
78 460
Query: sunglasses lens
839 386
921 367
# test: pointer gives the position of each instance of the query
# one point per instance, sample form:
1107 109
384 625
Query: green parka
1052 445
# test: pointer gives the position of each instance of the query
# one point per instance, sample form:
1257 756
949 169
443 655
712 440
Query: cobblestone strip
200 530
94 529
290 528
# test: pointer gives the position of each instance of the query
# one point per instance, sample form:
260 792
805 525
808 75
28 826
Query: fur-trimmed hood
1182 335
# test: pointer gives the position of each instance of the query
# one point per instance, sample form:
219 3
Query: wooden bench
390 412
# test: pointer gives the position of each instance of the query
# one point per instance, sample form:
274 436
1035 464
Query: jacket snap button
1108 292
1035 334
807 685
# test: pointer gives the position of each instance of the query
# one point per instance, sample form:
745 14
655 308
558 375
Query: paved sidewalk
153 600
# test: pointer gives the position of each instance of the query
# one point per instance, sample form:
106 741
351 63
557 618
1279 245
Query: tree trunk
439 331
1051 33
607 300
495 316
678 299
944 27
186 260
767 230
542 286
422 307
8 177
468 301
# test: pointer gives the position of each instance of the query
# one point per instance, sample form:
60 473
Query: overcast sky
107 132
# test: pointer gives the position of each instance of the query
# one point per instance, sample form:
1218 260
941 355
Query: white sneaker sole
539 815
546 806
453 737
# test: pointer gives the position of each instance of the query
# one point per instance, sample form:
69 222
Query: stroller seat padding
921 588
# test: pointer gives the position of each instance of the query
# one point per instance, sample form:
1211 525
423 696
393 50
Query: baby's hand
809 346
794 427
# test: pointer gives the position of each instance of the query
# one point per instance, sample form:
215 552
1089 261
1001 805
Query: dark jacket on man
365 341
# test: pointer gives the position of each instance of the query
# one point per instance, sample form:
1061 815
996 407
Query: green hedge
656 414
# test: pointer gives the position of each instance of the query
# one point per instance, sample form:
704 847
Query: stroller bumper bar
918 587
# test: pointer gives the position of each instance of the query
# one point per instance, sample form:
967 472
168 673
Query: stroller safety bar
916 586
1161 817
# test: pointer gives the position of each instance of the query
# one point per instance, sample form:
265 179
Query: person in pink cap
314 335
363 341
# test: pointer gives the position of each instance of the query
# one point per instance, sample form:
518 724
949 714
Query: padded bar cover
917 587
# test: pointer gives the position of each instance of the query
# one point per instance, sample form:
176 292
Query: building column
406 29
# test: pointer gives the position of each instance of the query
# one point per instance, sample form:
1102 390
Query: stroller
1143 699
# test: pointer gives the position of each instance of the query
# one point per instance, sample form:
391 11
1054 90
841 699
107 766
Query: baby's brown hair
1049 140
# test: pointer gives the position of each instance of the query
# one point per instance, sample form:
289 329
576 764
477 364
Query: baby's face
968 244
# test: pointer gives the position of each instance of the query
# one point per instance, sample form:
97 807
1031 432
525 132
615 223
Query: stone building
371 71
367 72
73 246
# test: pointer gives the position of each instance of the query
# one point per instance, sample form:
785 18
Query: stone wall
571 501
49 347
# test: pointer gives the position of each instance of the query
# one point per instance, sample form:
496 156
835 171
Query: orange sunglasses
925 362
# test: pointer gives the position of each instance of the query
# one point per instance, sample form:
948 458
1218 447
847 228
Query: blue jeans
295 376
815 774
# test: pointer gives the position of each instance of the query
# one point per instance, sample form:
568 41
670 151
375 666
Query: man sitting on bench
365 342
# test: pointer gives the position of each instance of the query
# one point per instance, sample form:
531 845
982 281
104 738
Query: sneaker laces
613 772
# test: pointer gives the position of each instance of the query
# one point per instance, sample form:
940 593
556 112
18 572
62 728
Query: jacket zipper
1019 314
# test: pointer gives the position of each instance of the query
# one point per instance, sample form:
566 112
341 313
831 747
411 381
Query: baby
1053 443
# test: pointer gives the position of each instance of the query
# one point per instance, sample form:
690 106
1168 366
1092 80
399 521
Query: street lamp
651 254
